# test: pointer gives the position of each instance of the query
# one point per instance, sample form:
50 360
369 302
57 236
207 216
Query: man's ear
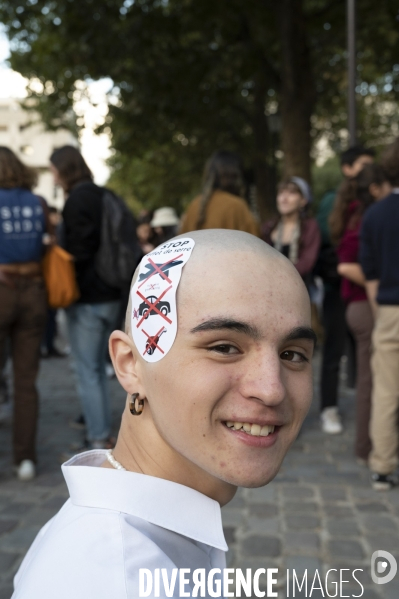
126 365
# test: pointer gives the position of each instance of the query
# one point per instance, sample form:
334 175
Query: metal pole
351 48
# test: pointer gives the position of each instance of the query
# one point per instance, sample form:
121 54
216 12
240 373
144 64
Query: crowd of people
349 243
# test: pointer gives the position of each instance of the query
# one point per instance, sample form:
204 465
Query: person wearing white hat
165 223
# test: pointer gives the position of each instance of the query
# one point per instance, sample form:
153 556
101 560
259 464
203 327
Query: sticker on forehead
154 313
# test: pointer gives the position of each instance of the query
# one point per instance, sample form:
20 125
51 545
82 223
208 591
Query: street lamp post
351 49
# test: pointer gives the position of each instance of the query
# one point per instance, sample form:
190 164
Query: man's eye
293 356
224 348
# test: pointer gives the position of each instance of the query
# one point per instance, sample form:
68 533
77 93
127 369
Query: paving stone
302 563
370 593
345 549
375 507
364 493
263 494
285 478
337 511
229 534
6 591
298 492
50 480
15 510
266 510
7 560
344 527
391 590
19 540
301 543
237 501
302 522
38 517
264 525
388 542
333 494
393 497
233 517
254 563
56 502
257 545
7 525
303 507
379 524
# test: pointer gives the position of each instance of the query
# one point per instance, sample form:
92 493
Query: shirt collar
161 502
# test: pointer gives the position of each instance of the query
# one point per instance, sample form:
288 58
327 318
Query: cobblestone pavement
319 513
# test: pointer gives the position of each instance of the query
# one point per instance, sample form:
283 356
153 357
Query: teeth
253 429
266 430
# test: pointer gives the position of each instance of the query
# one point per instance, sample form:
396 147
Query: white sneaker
331 421
26 470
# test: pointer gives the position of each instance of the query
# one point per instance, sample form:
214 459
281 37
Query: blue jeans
89 327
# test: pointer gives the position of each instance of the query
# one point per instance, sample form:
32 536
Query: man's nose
264 380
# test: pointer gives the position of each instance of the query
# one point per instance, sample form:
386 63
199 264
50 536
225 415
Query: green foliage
159 178
325 178
192 76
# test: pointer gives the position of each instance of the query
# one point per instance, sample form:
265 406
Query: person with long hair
92 318
379 251
293 232
354 197
221 204
23 298
337 339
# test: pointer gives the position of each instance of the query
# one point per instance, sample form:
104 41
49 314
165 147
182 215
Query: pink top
348 252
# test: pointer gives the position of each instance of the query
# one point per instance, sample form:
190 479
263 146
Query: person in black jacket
93 317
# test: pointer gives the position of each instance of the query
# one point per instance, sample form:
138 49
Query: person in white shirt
217 410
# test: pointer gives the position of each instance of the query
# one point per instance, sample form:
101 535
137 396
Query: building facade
22 132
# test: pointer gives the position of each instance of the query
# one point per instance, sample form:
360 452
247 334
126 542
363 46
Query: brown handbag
60 278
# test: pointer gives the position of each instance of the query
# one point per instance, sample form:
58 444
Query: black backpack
119 252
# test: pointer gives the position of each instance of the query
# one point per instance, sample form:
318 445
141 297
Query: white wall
33 145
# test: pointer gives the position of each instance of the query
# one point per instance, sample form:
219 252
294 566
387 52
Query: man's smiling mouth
256 430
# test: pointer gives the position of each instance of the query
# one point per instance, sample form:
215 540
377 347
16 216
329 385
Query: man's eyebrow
216 324
302 333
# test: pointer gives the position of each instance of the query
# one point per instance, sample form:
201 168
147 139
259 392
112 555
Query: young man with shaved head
215 399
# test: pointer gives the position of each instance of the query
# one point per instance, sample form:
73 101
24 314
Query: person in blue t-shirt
22 298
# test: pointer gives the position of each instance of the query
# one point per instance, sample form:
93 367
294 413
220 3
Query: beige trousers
385 397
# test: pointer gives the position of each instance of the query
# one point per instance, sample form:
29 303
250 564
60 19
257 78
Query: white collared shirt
115 523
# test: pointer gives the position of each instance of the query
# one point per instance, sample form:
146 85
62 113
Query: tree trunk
297 90
261 137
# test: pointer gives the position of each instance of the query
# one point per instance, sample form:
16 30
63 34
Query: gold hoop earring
136 405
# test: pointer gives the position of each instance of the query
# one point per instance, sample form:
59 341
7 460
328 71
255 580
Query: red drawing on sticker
152 342
152 306
160 269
